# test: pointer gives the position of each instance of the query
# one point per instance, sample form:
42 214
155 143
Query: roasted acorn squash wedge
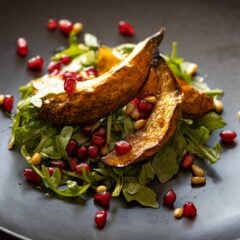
96 98
160 125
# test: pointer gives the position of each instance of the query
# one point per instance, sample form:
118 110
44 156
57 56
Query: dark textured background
208 33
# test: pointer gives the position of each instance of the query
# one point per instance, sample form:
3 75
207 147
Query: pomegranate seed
72 147
169 198
35 63
101 218
126 28
65 26
103 198
93 151
82 153
51 170
189 210
92 72
53 66
72 75
135 101
122 147
55 72
187 160
30 175
79 168
70 86
52 24
73 162
22 46
58 164
98 141
228 136
100 132
65 60
8 103
87 129
145 108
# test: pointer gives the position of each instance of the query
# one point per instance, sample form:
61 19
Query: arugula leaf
146 174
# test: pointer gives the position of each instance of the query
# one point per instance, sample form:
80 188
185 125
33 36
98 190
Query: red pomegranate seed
169 198
22 46
73 162
72 147
91 72
79 168
52 66
52 24
72 75
189 210
35 63
103 198
51 170
145 108
65 26
100 132
58 164
126 28
70 86
135 101
101 218
122 147
82 153
65 60
187 160
98 141
93 151
8 103
30 175
228 136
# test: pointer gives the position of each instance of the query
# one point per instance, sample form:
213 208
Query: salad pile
66 159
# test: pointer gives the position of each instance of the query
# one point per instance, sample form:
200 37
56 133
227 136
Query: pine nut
198 171
77 27
135 114
198 180
238 114
104 150
101 188
129 108
150 99
178 212
218 105
36 158
1 99
139 124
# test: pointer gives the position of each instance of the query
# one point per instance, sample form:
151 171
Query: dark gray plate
208 33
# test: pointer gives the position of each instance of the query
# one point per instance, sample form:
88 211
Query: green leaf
124 49
147 173
88 59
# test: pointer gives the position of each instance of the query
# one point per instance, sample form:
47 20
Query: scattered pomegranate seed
135 101
145 108
72 75
52 66
100 132
73 162
187 160
51 170
103 198
65 60
126 28
79 168
72 147
122 147
82 153
58 164
93 151
35 63
55 72
169 198
52 24
91 72
65 26
98 141
30 175
228 136
8 103
22 46
87 129
101 218
70 86
189 210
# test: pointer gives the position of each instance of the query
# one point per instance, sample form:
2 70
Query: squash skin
98 97
160 125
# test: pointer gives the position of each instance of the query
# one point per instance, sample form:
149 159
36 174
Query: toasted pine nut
135 114
218 105
36 158
104 150
139 124
198 180
198 171
178 212
129 108
101 188
77 27
150 99
1 99
238 114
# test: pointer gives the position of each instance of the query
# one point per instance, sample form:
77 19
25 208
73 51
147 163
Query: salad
113 120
